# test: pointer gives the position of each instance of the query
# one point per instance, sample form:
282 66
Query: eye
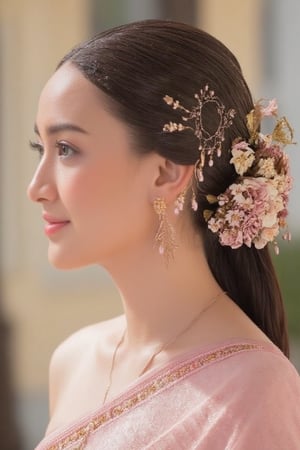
36 146
65 150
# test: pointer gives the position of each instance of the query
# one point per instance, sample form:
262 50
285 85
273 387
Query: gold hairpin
209 144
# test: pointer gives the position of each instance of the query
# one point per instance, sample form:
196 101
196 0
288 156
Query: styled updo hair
136 65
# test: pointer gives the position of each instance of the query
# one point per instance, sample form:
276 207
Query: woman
152 165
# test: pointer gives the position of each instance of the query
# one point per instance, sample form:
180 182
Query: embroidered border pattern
81 435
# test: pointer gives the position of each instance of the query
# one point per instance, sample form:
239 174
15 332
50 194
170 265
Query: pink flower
250 229
241 145
272 150
283 213
232 237
257 194
253 209
270 110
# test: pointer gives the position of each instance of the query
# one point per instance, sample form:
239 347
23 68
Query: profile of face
94 189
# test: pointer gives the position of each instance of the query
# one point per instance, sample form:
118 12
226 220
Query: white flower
237 189
242 159
234 217
269 220
270 233
214 224
260 242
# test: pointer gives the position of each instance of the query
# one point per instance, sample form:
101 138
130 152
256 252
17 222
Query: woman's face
92 187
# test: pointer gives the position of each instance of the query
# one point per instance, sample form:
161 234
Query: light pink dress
241 395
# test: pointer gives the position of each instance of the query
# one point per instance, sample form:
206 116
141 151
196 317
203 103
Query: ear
171 180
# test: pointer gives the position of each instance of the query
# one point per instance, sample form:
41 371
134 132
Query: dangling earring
165 236
194 201
179 203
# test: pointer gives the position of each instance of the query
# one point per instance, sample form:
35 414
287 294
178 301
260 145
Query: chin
69 261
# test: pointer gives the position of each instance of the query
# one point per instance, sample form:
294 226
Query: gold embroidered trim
81 435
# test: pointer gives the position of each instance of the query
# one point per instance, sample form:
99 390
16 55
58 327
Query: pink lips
53 224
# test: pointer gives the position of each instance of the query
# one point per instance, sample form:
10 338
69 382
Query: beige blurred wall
42 305
238 24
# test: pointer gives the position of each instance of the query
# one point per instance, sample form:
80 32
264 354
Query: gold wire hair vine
209 144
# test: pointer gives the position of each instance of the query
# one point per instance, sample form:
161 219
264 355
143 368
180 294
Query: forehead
69 96
66 82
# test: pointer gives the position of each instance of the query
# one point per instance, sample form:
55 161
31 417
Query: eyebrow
53 129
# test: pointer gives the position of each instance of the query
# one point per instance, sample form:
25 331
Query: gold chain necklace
160 349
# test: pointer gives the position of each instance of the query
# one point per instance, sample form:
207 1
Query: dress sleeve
268 410
253 404
260 408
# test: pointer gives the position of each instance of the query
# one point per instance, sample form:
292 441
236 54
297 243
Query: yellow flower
266 168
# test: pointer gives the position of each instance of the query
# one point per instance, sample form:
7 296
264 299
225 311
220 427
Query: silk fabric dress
239 395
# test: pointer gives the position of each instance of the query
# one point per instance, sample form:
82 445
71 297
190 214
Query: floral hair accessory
208 143
253 210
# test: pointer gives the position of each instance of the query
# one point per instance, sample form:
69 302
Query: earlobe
172 180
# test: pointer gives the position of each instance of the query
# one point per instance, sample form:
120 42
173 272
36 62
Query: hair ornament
282 132
253 210
209 143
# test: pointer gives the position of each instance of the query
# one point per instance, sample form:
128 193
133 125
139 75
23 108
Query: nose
42 186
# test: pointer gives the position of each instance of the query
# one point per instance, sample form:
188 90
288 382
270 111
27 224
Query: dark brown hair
136 65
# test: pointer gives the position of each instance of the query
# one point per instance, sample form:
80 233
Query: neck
160 301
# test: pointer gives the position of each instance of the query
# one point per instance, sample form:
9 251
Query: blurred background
39 306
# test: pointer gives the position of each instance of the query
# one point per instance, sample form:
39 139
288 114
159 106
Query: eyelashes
64 149
37 147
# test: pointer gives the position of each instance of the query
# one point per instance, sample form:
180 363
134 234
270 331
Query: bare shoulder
78 352
85 338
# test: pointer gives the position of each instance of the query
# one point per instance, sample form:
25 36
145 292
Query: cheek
109 213
106 198
82 192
